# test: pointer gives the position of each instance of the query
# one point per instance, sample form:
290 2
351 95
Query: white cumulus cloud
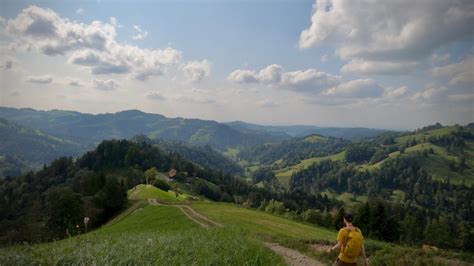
300 80
197 70
91 45
373 31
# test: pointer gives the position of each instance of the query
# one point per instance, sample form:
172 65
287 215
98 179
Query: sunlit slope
438 161
158 235
261 223
428 133
284 175
142 191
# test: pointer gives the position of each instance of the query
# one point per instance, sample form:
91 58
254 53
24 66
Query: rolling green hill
148 191
348 133
290 152
219 217
159 235
437 160
24 149
284 175
148 234
91 129
202 155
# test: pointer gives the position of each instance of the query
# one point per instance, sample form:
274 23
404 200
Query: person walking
350 243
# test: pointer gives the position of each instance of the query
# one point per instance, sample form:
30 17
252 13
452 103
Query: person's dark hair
348 216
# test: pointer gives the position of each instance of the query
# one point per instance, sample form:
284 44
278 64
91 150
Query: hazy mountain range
32 137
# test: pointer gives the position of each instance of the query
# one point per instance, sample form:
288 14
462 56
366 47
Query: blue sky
401 64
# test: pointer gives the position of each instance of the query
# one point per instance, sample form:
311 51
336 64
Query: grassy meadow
162 235
151 235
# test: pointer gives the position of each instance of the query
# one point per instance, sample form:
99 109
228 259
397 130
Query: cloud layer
320 87
310 80
93 46
380 38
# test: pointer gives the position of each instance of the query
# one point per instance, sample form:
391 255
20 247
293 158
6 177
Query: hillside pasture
153 235
284 175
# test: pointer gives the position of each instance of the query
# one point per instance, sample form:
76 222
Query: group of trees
205 155
292 151
52 202
448 204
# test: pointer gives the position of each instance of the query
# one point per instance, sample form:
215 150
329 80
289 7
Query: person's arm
366 262
337 246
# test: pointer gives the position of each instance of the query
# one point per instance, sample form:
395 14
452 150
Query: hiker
350 243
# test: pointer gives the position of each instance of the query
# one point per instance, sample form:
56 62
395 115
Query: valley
277 202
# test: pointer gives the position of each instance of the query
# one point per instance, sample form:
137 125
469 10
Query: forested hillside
90 129
205 156
23 149
292 151
42 205
402 179
391 201
51 202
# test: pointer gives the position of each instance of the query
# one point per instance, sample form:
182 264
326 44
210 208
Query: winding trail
196 217
293 257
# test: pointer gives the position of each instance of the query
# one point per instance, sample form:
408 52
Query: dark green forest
417 186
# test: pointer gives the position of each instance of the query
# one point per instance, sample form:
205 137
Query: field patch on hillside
284 175
151 192
261 223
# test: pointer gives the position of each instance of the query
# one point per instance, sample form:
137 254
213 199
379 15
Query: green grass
284 175
427 134
384 254
261 223
150 192
349 199
150 218
436 164
315 138
398 196
163 235
153 235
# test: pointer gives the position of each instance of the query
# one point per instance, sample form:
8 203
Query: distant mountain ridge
22 148
349 133
91 129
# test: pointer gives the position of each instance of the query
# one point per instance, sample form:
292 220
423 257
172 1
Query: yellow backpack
354 242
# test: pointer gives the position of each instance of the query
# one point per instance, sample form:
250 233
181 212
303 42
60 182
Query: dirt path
191 214
293 257
134 193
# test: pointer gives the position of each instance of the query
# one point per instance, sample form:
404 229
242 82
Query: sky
371 63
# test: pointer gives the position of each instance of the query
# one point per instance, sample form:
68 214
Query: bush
162 185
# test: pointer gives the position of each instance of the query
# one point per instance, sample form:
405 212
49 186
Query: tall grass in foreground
189 247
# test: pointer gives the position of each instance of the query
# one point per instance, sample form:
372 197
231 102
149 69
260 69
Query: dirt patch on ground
320 247
293 257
